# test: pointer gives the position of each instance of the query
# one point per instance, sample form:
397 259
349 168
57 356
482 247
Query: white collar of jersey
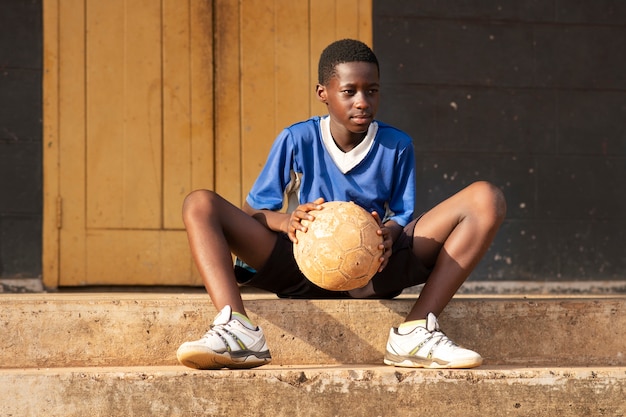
345 161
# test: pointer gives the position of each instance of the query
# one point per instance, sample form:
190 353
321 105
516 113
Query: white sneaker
426 346
228 344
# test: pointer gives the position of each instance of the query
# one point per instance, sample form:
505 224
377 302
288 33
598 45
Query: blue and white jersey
304 164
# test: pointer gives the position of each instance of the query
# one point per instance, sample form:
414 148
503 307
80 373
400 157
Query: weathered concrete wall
528 95
20 138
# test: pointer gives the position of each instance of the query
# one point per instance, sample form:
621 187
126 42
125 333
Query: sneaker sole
206 360
414 362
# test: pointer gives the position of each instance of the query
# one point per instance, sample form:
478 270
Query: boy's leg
451 238
216 227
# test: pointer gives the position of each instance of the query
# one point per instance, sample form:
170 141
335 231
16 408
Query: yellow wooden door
146 100
132 113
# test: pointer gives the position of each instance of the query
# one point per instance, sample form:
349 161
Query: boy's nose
360 101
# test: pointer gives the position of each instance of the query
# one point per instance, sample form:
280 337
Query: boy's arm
273 220
390 230
394 229
284 222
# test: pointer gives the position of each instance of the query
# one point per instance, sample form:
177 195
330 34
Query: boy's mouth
362 118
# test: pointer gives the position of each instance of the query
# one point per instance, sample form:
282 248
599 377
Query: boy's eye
351 92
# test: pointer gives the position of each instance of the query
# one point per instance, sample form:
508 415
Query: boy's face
351 97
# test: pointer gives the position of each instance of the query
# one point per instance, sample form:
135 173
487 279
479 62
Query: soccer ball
340 250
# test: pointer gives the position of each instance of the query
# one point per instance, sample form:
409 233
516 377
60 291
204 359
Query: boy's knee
198 200
490 198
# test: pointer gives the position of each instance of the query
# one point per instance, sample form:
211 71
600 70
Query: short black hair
339 52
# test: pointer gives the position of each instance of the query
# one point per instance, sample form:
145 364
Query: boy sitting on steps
346 156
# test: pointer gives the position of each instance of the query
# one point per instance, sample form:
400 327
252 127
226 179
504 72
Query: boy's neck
347 142
347 147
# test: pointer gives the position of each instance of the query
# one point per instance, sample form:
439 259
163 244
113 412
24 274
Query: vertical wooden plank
50 227
202 111
124 114
187 103
346 28
360 26
202 115
227 101
177 88
202 151
258 86
365 28
72 258
105 124
293 85
322 33
142 180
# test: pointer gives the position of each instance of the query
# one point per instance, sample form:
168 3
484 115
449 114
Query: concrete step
277 391
139 329
113 354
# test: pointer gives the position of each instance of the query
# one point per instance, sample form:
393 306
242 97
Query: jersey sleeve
269 188
402 202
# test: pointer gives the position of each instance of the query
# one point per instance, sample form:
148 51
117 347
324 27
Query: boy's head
342 51
348 86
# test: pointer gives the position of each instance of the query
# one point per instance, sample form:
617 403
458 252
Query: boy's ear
320 91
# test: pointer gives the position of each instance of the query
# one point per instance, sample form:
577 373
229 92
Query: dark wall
20 138
531 96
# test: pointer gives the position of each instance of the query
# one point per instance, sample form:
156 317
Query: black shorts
281 275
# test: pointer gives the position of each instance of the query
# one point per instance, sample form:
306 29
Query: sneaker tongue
408 326
223 317
431 323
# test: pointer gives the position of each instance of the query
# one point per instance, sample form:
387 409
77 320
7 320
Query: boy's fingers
377 217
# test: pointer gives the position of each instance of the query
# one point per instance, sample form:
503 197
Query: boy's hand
302 213
387 244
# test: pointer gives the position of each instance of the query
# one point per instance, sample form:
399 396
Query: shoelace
219 330
442 340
